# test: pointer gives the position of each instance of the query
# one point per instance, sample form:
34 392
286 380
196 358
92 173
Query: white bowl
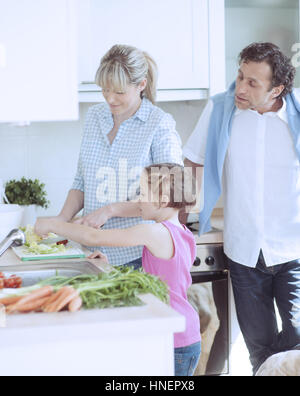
10 218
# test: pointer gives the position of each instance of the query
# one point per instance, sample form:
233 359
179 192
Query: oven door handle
208 276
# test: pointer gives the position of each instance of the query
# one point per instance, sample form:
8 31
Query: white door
173 32
38 60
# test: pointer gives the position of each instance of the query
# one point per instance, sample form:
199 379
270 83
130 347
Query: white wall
245 25
49 151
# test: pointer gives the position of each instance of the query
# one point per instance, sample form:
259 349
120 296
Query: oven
209 295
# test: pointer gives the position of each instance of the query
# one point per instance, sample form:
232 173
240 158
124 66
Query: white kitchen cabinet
174 32
38 60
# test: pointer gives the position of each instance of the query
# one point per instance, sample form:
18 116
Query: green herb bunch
26 192
118 288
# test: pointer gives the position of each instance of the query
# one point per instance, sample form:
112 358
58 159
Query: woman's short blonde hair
123 65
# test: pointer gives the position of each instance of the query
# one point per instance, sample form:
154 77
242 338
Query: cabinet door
173 32
38 66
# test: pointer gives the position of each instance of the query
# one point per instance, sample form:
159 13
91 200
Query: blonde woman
121 137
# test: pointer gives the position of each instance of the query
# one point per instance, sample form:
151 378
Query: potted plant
29 194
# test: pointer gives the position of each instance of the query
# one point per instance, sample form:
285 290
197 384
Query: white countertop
107 322
10 258
214 236
112 341
131 319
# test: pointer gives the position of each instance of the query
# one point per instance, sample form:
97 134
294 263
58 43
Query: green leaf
26 192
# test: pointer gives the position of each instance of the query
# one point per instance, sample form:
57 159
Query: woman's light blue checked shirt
109 173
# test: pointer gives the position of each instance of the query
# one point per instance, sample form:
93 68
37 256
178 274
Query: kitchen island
112 342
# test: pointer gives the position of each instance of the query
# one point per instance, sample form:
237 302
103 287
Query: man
248 140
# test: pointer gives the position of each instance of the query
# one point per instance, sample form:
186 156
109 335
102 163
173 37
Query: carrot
64 299
45 291
53 298
75 304
10 300
33 305
10 308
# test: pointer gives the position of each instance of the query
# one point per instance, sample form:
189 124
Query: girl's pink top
176 273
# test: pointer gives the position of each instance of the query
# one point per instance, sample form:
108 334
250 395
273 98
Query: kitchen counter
10 258
216 234
113 342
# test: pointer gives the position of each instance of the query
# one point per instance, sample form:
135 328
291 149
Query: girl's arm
141 234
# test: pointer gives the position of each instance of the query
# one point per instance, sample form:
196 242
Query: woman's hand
95 219
43 226
97 254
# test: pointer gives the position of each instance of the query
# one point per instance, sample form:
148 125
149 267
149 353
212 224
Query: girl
169 247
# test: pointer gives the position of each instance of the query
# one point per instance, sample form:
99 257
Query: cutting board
72 251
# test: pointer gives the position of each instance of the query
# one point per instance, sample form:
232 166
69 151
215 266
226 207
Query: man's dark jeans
255 291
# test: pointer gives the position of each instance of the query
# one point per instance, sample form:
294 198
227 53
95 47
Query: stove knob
197 262
210 260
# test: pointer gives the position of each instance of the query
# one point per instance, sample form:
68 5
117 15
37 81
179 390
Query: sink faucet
14 238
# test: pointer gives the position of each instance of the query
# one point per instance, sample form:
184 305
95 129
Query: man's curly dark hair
283 72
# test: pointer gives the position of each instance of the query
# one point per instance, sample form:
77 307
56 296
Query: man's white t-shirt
261 186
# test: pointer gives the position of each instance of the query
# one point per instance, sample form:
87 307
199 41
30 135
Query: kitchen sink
32 274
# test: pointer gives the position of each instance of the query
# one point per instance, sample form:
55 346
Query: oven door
209 295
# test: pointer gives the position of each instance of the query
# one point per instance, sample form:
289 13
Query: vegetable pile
13 282
33 243
30 235
119 288
44 299
42 248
